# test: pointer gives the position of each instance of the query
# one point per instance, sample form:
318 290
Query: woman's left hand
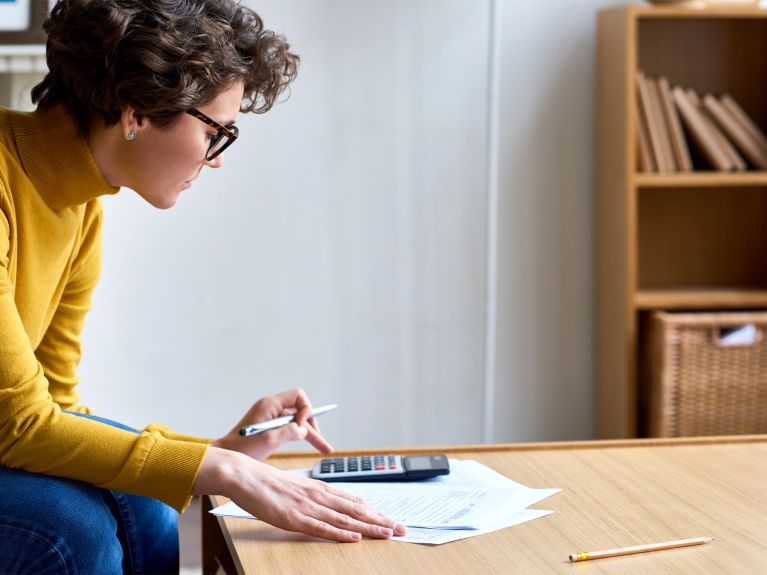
294 402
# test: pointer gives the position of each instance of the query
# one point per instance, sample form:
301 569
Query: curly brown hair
160 57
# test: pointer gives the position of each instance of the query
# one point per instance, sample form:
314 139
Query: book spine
653 129
736 162
699 132
663 128
678 141
745 142
646 159
740 115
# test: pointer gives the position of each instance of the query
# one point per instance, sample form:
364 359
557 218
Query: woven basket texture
698 386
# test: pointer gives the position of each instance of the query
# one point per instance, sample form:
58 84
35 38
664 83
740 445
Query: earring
132 135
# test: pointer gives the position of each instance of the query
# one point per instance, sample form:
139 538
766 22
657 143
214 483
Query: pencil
586 555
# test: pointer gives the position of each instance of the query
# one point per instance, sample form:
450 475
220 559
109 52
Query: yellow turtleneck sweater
50 258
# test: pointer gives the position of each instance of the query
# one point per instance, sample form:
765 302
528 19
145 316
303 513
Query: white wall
545 373
343 248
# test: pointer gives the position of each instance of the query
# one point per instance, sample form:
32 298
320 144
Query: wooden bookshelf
703 298
702 180
695 240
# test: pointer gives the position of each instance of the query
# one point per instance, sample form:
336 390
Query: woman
140 94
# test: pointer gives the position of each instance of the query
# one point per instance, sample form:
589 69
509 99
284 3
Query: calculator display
419 462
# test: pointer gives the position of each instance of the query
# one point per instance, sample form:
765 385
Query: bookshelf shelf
702 180
694 240
703 298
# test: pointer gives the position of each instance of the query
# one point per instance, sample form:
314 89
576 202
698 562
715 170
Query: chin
167 203
161 201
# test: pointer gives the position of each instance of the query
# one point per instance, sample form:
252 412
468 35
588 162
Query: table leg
216 556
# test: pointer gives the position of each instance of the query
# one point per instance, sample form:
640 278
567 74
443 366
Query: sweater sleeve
59 351
35 435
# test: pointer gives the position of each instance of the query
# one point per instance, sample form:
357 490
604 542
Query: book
678 142
698 129
651 114
645 158
645 161
736 132
643 106
736 161
663 128
732 106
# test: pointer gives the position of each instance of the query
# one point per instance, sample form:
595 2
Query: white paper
441 506
437 507
439 536
473 499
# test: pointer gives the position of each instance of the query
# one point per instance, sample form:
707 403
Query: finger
360 518
316 439
348 523
317 528
269 407
292 432
331 523
349 504
314 423
297 400
294 398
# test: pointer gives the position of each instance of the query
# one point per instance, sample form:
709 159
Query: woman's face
164 162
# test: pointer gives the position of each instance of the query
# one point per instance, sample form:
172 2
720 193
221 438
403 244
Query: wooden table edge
539 446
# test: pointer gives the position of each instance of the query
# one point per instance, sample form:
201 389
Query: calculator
389 467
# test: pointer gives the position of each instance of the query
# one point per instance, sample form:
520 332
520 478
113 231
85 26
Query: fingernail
386 532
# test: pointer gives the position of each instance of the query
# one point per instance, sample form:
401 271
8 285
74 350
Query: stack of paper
472 500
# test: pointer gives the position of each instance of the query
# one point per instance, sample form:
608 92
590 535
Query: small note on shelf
744 335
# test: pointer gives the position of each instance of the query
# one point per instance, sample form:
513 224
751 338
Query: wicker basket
697 384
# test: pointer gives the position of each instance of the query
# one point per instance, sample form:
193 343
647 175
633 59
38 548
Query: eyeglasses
225 135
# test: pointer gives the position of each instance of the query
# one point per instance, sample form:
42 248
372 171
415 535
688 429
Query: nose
216 162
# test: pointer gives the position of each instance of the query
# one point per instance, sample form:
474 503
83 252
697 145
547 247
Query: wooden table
614 493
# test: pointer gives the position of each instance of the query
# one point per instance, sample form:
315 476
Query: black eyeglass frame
230 132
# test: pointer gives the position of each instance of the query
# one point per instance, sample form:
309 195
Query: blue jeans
54 525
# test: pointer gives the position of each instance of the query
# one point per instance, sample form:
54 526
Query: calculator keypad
358 468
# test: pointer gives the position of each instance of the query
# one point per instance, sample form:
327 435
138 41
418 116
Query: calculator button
380 466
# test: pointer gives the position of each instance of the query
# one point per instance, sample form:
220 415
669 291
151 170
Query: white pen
257 428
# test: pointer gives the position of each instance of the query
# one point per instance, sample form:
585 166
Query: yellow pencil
586 555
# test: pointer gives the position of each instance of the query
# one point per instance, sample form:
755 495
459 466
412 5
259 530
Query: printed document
471 500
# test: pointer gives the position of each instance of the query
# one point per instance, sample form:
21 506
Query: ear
132 122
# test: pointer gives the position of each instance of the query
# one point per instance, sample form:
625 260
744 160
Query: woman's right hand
289 501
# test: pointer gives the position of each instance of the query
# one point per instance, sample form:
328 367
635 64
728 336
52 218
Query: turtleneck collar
57 158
